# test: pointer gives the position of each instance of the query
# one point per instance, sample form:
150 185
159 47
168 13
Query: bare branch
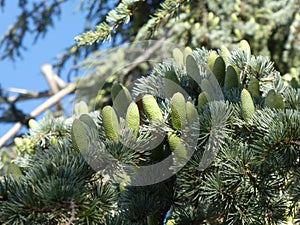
41 108
47 70
54 82
18 90
23 97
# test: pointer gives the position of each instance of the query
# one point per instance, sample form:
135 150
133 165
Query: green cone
211 59
192 68
219 70
14 170
178 111
231 78
178 56
81 108
186 52
110 123
177 147
274 100
86 119
78 136
202 100
151 108
133 118
191 113
118 89
207 87
248 108
244 45
225 53
121 98
253 87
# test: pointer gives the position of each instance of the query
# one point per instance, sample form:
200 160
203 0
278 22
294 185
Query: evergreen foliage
271 27
224 168
229 147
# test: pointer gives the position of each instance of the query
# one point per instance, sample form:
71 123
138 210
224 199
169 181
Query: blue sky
25 73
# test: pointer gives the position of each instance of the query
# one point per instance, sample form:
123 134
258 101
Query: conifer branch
119 16
167 11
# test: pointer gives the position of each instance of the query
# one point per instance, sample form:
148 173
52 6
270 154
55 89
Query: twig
23 97
19 90
53 100
41 108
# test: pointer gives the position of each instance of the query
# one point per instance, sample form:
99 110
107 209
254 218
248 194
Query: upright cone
133 118
110 123
177 147
219 70
248 108
178 111
274 100
151 108
192 115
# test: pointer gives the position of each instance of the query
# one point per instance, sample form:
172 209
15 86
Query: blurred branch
54 81
25 96
41 108
143 57
18 90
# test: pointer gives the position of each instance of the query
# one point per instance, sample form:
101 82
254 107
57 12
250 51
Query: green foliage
238 165
243 168
271 27
120 15
49 131
57 188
